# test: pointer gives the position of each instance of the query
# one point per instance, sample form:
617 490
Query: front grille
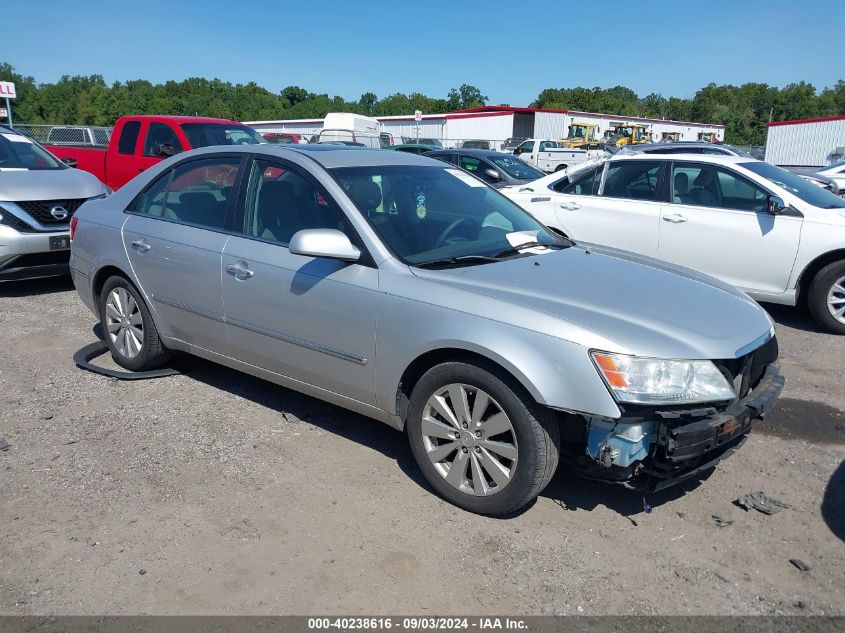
40 209
51 258
746 371
7 219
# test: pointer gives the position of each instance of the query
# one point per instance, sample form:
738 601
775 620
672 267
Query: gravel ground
217 493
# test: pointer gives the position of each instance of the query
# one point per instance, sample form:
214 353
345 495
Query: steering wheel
449 230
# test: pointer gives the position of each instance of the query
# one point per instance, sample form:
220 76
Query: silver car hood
644 306
49 184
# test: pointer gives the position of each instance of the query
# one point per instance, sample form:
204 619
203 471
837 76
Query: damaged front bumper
654 448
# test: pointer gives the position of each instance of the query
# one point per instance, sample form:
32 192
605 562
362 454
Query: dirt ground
217 493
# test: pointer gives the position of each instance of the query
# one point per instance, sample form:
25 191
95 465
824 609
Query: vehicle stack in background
503 127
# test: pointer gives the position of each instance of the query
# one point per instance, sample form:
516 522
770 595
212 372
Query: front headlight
658 381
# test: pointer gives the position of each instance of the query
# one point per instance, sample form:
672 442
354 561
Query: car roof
723 159
330 156
471 151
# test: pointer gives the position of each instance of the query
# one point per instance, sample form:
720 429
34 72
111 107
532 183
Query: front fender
557 373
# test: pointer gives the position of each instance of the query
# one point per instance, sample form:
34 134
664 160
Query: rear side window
128 137
633 180
195 193
582 185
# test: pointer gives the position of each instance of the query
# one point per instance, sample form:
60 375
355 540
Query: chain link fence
87 135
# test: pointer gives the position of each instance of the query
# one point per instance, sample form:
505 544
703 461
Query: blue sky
510 50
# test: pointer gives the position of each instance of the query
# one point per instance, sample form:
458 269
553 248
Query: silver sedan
407 290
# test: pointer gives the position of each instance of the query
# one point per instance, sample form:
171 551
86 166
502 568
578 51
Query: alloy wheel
124 323
836 300
469 439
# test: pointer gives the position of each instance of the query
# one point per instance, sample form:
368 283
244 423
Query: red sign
7 90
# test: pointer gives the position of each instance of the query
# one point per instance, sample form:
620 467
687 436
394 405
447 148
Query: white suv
763 229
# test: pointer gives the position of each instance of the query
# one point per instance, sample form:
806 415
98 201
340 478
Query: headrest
681 184
705 177
366 194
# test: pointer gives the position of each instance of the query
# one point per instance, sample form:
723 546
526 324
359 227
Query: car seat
681 188
200 207
278 214
705 191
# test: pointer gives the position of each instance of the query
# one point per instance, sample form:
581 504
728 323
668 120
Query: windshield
797 186
517 168
206 134
21 152
424 214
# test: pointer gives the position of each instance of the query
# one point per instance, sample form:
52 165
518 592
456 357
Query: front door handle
239 271
570 206
141 246
675 218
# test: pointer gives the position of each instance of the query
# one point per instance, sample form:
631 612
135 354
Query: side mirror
70 162
493 175
328 243
776 205
165 149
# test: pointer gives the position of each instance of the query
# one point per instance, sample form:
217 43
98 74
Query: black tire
561 167
153 354
817 296
535 427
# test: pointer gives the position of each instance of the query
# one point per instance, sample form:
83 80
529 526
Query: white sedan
760 228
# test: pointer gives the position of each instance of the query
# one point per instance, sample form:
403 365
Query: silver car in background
407 290
38 197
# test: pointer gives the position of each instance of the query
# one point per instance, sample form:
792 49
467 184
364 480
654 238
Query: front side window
429 214
160 134
547 145
128 137
281 201
711 186
196 193
527 146
633 180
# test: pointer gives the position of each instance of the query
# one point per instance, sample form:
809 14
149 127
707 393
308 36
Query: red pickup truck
139 142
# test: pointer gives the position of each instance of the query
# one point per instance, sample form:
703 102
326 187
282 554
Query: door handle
239 271
675 218
141 246
570 206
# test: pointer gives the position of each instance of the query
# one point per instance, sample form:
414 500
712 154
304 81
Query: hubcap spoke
836 300
136 319
442 452
508 451
436 428
458 422
112 311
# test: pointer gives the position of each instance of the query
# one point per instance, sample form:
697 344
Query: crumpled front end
651 448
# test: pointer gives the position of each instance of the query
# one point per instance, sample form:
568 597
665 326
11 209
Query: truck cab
548 155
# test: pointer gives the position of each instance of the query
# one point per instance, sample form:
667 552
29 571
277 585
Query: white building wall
407 128
804 144
553 125
487 128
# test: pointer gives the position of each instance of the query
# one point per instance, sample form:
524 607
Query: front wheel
131 335
481 441
826 297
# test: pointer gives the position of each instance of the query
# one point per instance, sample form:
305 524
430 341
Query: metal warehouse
498 123
806 142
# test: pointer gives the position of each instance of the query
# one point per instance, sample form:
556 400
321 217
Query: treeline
744 110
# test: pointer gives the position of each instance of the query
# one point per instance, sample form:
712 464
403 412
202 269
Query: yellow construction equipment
582 136
707 137
627 134
670 137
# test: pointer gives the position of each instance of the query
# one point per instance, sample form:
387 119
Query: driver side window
582 185
160 134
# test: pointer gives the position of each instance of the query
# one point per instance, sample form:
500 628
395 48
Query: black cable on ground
84 356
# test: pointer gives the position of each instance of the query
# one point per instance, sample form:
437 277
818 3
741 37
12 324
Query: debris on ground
761 502
721 521
142 571
4 445
799 564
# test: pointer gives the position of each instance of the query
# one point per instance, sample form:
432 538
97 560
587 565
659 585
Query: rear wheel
480 439
130 333
826 297
561 167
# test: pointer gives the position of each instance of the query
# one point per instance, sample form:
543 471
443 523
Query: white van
349 127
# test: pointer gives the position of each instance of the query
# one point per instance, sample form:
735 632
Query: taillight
73 222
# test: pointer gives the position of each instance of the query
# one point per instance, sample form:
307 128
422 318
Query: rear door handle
239 271
675 218
570 206
141 245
